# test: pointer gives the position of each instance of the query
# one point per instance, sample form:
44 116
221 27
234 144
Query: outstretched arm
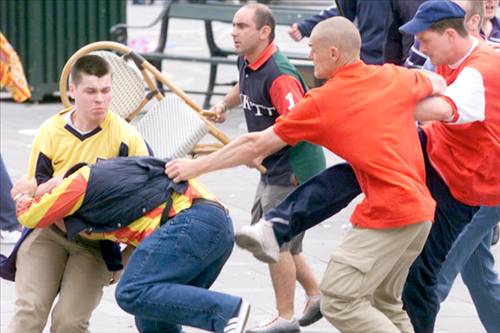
243 150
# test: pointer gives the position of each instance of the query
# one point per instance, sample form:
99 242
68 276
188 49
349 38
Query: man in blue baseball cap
462 151
430 12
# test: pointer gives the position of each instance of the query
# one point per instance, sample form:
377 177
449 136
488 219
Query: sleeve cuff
454 117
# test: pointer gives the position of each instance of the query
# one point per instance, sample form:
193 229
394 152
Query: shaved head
341 33
334 43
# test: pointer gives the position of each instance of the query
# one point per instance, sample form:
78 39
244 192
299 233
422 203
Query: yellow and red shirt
67 198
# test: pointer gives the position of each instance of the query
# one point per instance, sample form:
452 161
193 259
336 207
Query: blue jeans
8 219
315 200
420 297
471 256
166 280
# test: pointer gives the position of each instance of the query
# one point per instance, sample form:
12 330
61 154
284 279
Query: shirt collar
347 68
264 56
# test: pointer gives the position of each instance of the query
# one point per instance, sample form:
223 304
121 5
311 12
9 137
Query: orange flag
11 72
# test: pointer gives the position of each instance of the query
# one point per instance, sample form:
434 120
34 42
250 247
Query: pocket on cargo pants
345 275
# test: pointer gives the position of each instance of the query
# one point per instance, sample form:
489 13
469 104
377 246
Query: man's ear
334 53
265 31
473 23
450 33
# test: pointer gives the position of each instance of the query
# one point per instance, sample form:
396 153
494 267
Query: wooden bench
209 13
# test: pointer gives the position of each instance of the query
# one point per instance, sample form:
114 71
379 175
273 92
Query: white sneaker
9 237
277 325
237 324
260 240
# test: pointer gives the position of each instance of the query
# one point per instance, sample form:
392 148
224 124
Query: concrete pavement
242 275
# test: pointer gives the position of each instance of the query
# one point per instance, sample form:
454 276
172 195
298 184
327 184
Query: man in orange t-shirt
461 154
364 114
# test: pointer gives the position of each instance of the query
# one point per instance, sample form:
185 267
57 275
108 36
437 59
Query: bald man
348 115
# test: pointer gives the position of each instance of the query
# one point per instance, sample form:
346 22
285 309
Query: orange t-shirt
364 114
467 156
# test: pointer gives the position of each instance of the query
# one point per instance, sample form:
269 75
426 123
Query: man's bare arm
433 108
243 150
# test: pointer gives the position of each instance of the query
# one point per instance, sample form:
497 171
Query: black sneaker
237 324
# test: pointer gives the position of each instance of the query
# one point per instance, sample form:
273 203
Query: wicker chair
173 126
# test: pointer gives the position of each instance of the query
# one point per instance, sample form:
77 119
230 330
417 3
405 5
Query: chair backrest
127 85
171 128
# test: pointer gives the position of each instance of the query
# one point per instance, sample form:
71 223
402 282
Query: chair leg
211 85
158 65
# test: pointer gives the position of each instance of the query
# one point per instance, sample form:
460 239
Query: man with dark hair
90 65
464 150
47 263
182 233
269 86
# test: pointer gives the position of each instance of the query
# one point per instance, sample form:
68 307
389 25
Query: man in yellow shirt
47 263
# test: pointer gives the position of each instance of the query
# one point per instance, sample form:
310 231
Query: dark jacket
370 16
120 191
397 44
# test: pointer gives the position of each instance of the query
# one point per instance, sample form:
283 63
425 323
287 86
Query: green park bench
210 13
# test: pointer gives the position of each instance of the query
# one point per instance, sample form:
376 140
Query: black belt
207 202
195 202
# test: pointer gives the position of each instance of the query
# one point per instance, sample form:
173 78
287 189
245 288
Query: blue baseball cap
429 12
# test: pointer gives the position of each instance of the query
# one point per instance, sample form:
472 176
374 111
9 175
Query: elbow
434 108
